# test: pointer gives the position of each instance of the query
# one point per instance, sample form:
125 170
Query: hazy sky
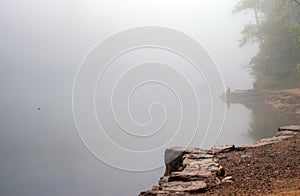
42 46
42 40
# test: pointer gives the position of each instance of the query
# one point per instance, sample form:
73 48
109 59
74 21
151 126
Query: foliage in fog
277 31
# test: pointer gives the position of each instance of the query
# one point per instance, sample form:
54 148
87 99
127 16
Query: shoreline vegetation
276 32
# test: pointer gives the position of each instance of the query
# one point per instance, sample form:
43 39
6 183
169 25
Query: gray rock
295 128
193 186
198 156
266 141
221 149
173 159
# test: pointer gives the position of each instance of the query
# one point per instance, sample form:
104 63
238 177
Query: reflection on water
236 129
265 121
42 155
244 125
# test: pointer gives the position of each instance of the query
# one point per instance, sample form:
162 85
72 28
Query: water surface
42 46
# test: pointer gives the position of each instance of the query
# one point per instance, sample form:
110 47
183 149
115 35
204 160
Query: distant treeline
277 31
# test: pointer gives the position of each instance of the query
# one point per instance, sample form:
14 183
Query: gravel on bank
270 166
268 169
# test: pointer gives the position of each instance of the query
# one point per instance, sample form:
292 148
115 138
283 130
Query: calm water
41 153
42 45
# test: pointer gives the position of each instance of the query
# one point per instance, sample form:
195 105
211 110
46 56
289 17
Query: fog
42 46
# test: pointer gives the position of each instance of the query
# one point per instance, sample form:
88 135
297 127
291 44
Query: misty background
42 46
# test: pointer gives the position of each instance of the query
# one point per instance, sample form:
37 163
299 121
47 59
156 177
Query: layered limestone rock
194 170
188 170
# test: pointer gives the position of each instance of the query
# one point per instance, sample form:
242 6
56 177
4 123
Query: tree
277 31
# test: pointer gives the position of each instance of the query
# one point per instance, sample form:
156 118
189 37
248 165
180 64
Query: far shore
286 101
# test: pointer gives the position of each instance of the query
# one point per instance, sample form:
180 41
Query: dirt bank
268 167
263 170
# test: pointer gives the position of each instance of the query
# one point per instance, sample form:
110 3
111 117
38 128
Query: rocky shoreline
268 166
285 101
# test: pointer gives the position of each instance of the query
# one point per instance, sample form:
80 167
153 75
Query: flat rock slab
190 176
162 193
177 153
175 156
290 128
221 149
266 141
198 156
179 186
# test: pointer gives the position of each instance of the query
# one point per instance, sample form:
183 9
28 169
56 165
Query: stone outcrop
190 171
286 101
293 128
284 132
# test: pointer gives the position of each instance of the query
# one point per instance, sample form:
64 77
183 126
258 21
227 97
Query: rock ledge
191 171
